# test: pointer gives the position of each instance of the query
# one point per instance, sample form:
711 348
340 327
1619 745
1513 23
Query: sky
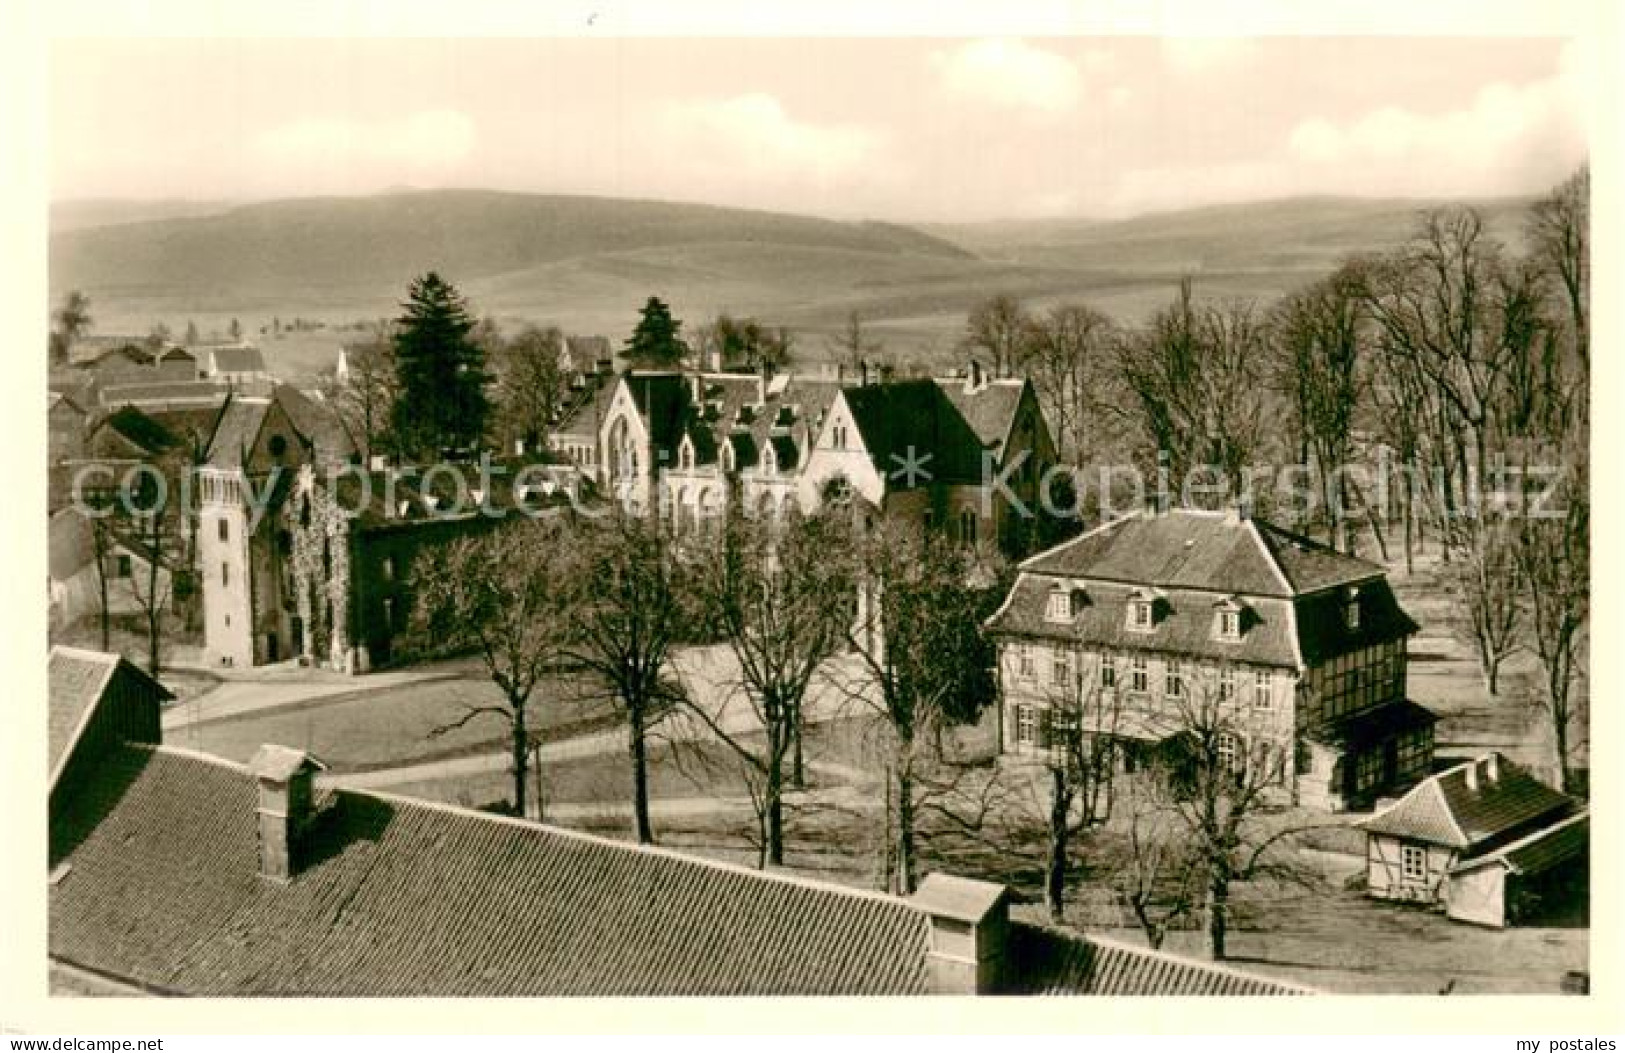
901 129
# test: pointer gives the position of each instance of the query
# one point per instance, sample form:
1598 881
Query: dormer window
1142 611
1064 604
685 455
1351 610
728 461
770 460
1227 620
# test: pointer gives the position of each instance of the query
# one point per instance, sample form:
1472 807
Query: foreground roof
1542 850
1471 805
158 886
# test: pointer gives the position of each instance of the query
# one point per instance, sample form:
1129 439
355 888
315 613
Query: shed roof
963 899
1542 850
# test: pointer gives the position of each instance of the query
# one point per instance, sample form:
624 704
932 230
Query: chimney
970 923
973 377
283 777
1492 767
1472 776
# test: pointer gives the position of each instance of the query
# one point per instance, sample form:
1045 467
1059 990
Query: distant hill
105 212
587 263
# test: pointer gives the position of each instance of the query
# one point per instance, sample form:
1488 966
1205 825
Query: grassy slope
587 263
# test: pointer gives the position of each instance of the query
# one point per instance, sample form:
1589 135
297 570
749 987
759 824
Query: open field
587 264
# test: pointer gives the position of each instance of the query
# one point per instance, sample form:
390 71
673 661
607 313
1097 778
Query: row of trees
1441 388
610 596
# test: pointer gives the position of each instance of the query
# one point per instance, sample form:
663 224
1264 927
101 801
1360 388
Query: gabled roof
913 422
1445 809
662 401
989 409
1541 850
76 681
236 430
583 416
315 422
1310 566
140 431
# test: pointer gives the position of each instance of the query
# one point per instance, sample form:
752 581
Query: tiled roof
75 681
1541 850
1210 551
166 392
1445 810
1184 627
989 409
1310 566
316 422
140 430
239 359
234 433
662 401
1056 963
395 897
583 416
1371 726
912 421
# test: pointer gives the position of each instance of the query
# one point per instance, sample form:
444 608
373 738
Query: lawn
394 726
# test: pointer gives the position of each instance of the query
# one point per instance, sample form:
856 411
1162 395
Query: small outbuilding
1484 840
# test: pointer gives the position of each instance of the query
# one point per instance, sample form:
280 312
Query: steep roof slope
912 422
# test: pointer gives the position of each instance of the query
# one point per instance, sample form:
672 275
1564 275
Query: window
1137 675
967 527
388 568
1227 684
1415 751
278 446
1061 669
1263 697
1060 606
1227 752
685 455
1230 625
1368 770
1026 725
224 529
1173 680
837 436
1108 671
121 567
1351 614
389 613
1140 614
1025 666
225 575
1413 863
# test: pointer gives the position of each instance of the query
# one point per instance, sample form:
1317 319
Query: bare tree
1560 232
998 327
1553 554
1070 357
530 383
1198 377
631 606
852 345
1322 351
925 663
1487 582
503 593
775 593
1217 778
1080 736
1160 879
364 400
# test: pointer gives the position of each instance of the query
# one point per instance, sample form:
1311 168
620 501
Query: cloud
419 149
1198 56
1510 138
1010 74
1507 140
753 134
